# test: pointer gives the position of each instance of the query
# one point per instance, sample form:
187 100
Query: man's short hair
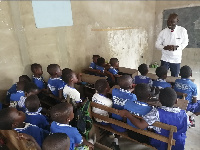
30 87
143 69
167 97
24 78
142 91
52 68
100 61
185 72
113 61
6 120
125 81
161 71
60 112
32 103
67 75
56 141
100 85
35 66
172 16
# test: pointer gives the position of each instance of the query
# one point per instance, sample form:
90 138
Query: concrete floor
193 134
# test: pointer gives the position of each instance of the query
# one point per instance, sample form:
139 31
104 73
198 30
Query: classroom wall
110 29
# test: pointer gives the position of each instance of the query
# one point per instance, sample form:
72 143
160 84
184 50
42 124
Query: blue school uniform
102 69
142 79
171 116
161 84
55 85
137 108
119 98
187 86
113 70
15 97
36 118
13 89
92 65
74 135
36 132
39 82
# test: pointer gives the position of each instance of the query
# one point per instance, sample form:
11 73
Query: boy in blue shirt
56 141
29 89
139 108
37 76
55 83
102 70
165 114
114 68
143 69
186 86
11 118
33 115
94 63
13 89
121 96
61 115
15 97
161 83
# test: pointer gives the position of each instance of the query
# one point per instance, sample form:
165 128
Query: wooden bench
132 72
169 140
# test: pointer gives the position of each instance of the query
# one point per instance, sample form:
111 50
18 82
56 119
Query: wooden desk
132 72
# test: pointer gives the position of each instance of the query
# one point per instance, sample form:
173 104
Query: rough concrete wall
74 46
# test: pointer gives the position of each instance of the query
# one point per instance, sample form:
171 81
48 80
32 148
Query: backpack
82 120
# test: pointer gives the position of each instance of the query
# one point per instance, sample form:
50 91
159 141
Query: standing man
171 41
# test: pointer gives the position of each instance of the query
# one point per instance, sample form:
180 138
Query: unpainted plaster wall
23 44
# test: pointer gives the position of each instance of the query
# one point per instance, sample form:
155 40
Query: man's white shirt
178 37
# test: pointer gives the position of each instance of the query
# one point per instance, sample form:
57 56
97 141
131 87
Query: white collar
63 125
122 90
171 109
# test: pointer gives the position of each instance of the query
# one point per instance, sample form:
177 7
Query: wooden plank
140 131
91 78
132 72
115 111
124 134
152 76
182 104
101 146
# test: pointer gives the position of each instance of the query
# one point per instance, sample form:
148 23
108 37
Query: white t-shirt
72 93
178 37
100 99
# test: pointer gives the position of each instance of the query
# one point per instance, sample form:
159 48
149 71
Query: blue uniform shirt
39 82
113 71
36 118
92 65
119 98
55 85
102 69
161 84
16 96
171 116
142 79
137 108
36 132
13 89
74 135
186 86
